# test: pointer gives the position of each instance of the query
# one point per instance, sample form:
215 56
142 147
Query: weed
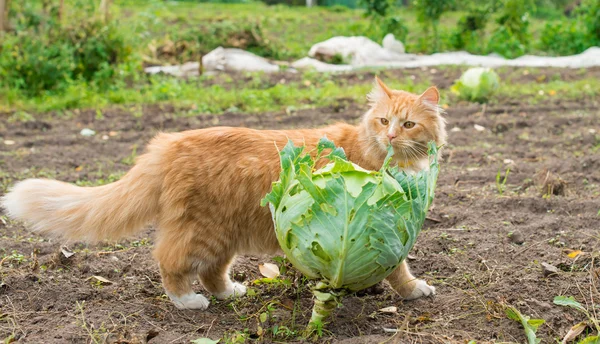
13 259
130 160
530 325
569 301
501 183
96 336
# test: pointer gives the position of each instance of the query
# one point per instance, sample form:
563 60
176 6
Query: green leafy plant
564 38
589 15
429 13
530 325
470 29
382 21
345 226
511 38
569 301
477 85
501 183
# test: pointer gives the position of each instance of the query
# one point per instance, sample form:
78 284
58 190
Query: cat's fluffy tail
91 214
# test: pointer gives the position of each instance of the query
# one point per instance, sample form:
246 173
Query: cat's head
405 120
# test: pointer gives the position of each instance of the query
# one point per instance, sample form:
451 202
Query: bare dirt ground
481 248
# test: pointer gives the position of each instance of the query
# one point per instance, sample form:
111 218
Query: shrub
564 38
511 39
471 28
429 13
382 21
188 44
589 14
34 61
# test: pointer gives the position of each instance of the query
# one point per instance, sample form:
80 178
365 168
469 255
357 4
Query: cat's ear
379 93
431 96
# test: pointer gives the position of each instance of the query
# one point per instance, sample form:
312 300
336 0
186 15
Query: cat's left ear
431 96
380 92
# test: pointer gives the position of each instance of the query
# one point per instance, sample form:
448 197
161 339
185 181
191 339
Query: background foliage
47 52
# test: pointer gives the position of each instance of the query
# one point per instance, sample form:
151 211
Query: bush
564 38
192 42
506 44
33 61
471 28
511 39
429 13
589 13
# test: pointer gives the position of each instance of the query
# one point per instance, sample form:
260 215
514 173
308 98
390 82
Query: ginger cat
203 188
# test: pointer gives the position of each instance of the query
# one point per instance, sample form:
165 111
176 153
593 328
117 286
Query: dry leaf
65 251
78 168
112 133
574 332
574 254
269 270
390 309
101 279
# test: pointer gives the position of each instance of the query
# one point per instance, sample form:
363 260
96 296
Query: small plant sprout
530 325
501 183
344 226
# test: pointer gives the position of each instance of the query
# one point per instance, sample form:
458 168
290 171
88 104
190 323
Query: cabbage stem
324 304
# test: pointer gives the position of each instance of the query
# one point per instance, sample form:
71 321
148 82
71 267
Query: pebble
87 132
517 237
549 270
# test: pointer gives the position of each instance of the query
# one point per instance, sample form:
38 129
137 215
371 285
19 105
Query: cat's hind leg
178 267
215 278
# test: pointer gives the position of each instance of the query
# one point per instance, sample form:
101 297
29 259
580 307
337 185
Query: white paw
189 301
421 289
234 290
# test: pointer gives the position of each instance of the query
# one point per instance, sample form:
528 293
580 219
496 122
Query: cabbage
477 84
343 225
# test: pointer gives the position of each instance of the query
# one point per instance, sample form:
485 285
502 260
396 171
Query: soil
482 247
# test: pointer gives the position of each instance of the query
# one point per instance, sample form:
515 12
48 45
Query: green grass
292 30
285 33
254 93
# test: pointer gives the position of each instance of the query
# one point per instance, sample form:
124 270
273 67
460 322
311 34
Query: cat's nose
391 136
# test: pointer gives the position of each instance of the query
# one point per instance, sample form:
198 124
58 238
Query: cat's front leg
407 285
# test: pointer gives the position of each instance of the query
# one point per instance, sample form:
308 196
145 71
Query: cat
203 190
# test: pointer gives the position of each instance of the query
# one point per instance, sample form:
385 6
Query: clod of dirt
517 238
549 270
372 290
550 184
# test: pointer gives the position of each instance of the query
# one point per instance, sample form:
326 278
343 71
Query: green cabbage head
342 224
477 85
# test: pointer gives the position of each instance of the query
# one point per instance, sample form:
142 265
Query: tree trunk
105 10
4 15
310 3
61 8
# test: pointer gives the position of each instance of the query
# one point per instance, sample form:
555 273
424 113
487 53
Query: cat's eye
409 124
384 121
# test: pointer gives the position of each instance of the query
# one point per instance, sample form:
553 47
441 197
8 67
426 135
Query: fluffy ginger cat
203 188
